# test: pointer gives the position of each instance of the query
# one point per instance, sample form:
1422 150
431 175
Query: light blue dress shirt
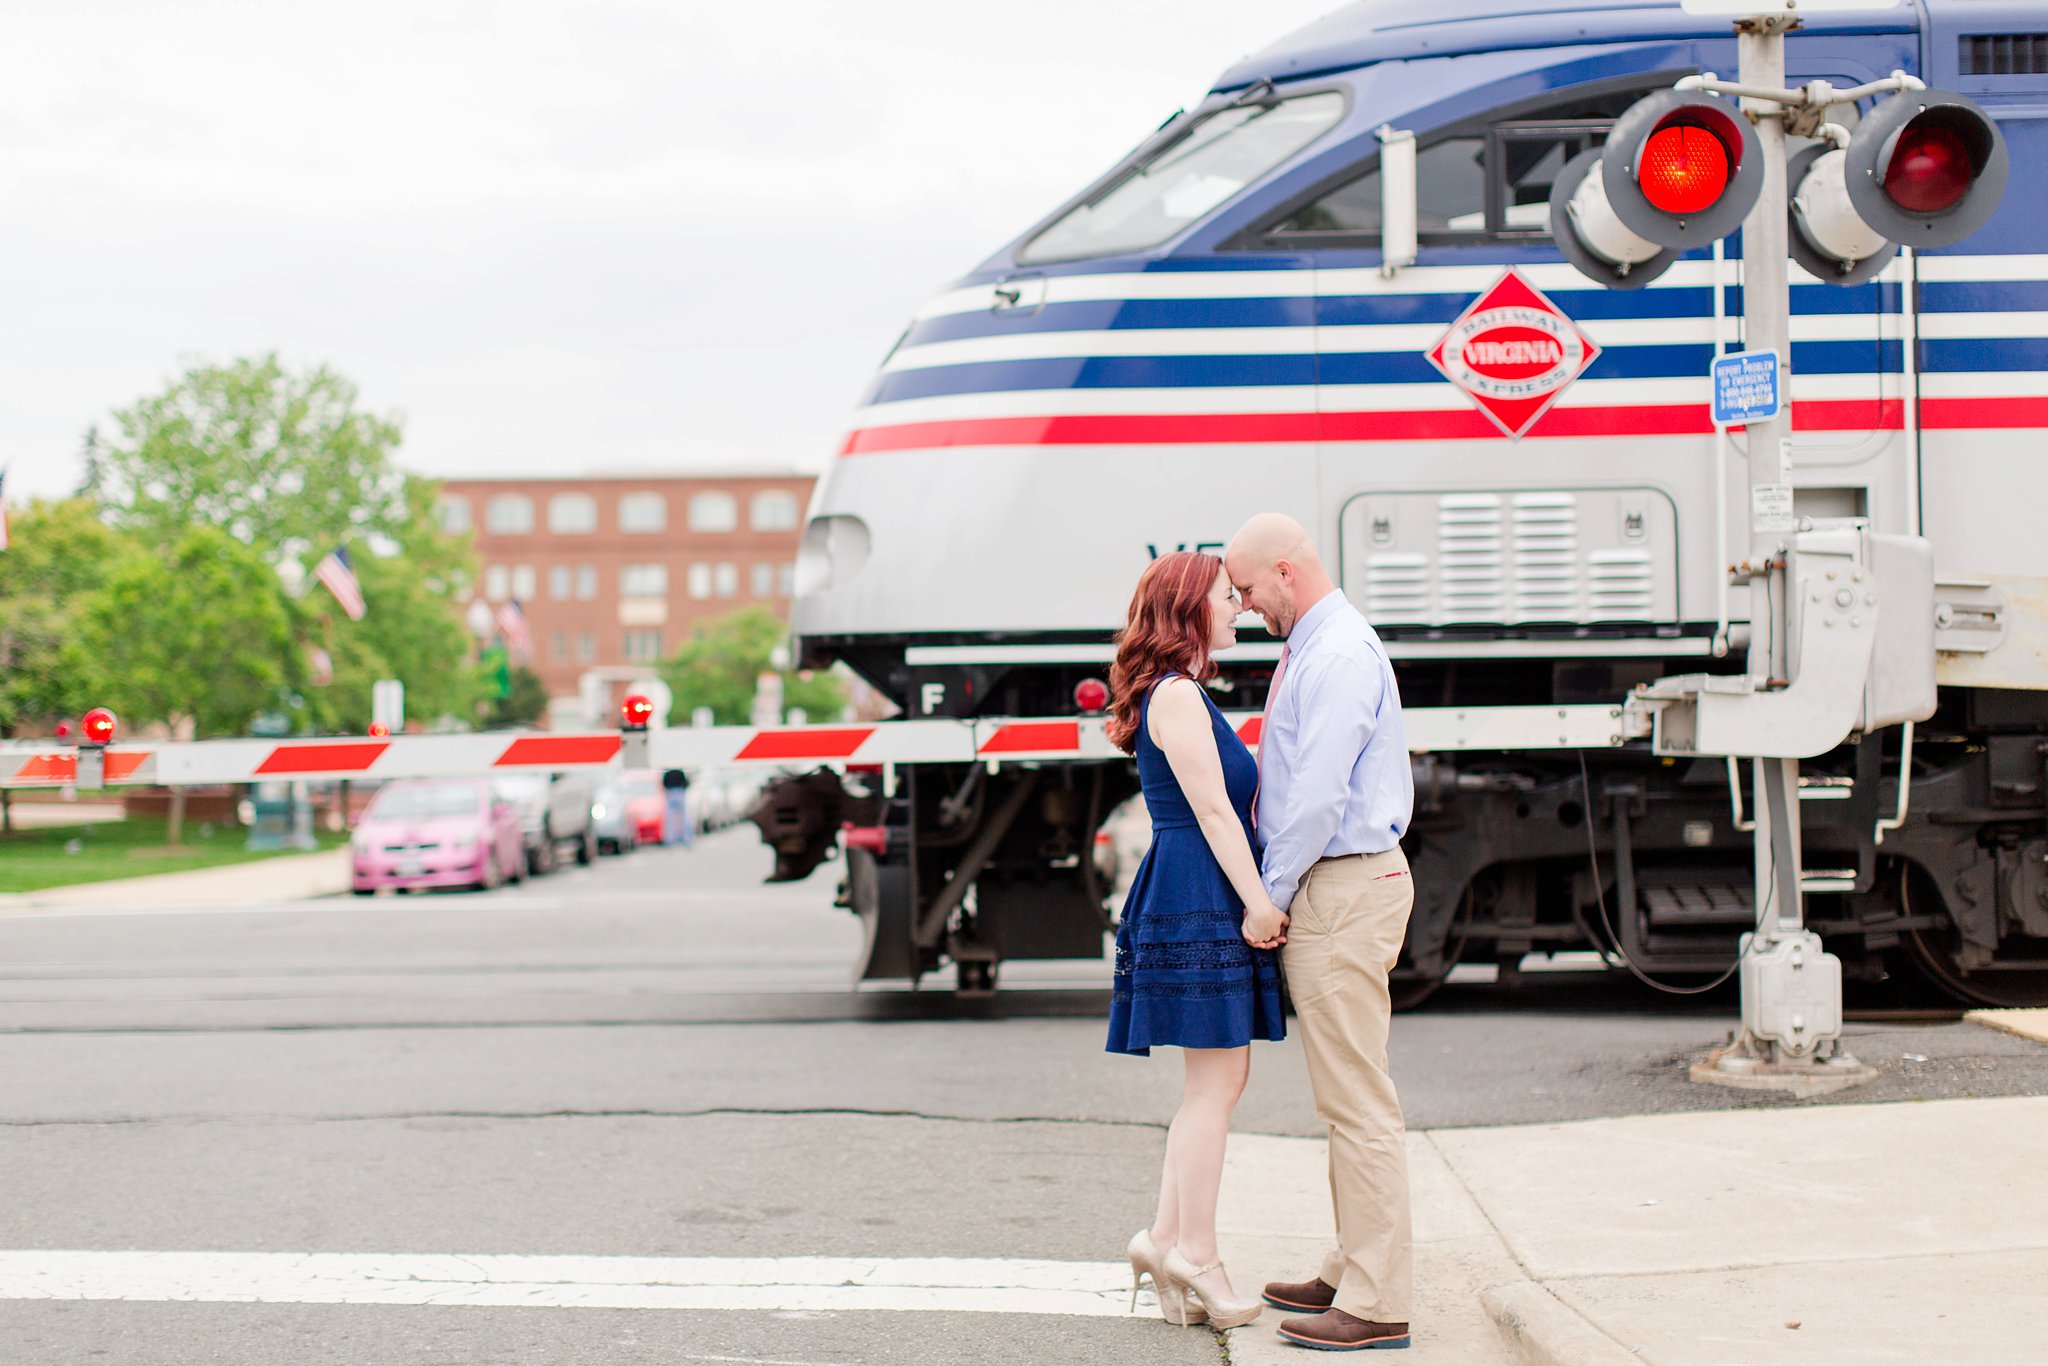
1333 771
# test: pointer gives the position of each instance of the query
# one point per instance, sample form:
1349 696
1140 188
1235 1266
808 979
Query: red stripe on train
1034 735
806 744
352 757
1663 419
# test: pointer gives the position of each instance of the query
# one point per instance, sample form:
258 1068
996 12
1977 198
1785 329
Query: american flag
512 625
340 578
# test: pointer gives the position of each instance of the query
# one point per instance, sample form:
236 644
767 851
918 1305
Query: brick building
612 572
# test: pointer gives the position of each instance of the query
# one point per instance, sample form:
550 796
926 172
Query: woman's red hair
1166 632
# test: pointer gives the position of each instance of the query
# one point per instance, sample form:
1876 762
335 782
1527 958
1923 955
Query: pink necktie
1265 723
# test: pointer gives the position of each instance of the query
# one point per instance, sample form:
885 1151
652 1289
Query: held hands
1265 925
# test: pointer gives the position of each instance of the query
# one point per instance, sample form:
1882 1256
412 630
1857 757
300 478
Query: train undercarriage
1644 859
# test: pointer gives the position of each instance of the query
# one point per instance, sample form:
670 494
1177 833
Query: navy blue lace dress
1184 975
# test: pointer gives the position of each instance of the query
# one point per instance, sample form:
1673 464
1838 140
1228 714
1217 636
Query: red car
646 805
437 832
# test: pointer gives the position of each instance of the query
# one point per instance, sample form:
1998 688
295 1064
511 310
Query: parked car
616 831
437 832
646 804
554 816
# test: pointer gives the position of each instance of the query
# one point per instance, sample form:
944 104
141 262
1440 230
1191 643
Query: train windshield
1186 178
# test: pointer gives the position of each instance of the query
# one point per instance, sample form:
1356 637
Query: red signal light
98 725
1930 169
63 730
636 712
378 730
1683 169
1091 694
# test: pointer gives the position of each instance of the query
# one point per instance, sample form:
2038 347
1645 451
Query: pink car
437 832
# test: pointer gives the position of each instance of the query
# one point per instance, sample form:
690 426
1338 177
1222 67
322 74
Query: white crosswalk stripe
977 1285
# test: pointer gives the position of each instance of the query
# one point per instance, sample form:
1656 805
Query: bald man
1333 801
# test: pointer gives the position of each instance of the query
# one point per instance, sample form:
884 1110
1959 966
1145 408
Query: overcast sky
555 238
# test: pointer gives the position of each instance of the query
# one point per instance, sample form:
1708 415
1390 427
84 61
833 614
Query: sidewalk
282 878
1833 1234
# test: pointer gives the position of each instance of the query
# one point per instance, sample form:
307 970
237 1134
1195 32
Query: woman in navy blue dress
1194 952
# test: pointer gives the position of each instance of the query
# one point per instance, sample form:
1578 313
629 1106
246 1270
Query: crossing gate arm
992 740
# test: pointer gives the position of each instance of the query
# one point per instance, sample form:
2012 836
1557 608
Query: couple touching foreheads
1291 858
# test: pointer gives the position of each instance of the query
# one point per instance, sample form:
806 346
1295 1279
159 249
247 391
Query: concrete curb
1542 1330
2028 1024
280 877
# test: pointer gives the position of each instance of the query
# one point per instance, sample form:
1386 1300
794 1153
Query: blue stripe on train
1369 309
1373 367
1983 296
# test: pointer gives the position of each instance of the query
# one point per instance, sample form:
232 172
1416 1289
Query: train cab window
1184 177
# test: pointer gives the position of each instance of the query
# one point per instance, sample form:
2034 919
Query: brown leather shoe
1310 1296
1333 1330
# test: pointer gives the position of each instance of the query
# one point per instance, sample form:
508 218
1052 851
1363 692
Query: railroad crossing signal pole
1832 652
1915 184
1780 900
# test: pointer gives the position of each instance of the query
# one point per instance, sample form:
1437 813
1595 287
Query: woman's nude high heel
1145 1261
1222 1313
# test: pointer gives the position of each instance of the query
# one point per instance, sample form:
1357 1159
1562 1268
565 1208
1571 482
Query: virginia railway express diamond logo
1514 352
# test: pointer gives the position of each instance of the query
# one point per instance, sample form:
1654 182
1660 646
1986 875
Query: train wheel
879 894
1409 990
1935 953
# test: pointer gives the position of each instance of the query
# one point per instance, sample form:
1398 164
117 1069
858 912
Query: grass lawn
31 860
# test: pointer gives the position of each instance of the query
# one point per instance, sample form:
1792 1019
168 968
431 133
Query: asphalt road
661 1058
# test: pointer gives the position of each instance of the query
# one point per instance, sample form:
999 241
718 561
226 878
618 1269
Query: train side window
1526 159
1488 177
1450 183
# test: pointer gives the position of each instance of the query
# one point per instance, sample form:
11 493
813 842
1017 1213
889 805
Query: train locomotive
1532 508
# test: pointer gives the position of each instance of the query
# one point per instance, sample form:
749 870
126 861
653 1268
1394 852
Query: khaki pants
1347 923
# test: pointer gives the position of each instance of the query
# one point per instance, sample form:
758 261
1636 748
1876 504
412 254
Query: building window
775 511
644 581
586 583
558 646
559 583
525 583
454 514
586 648
764 580
728 578
509 514
496 583
786 580
572 514
643 647
714 512
643 512
700 581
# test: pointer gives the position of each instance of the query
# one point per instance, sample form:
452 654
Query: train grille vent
2004 54
1511 558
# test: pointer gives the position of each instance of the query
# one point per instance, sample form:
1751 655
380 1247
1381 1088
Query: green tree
288 464
718 666
57 555
281 461
198 634
525 700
